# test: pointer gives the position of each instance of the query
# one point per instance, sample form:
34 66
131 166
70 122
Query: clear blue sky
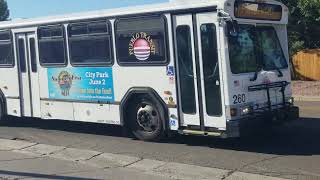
36 8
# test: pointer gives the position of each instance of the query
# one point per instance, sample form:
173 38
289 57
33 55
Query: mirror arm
224 15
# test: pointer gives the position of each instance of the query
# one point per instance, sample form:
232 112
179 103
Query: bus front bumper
258 122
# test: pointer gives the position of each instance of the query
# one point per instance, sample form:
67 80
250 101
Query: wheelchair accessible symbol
170 71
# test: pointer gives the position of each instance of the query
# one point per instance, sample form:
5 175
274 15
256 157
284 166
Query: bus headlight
238 111
291 100
246 110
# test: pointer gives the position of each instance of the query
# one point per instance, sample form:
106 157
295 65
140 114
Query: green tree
4 11
304 24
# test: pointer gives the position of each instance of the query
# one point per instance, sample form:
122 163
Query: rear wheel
146 119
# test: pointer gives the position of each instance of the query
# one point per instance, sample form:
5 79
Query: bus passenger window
52 45
6 49
90 43
141 41
22 55
32 47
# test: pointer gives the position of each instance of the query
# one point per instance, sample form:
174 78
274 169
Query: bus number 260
238 99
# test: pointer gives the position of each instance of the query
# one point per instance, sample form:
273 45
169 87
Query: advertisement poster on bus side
84 84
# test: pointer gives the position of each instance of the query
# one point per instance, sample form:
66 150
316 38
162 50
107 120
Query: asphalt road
290 151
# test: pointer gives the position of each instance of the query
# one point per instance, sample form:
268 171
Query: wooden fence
307 64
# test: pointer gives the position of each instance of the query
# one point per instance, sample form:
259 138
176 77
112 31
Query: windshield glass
242 50
273 57
255 46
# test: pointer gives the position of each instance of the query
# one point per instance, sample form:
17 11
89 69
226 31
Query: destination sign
261 11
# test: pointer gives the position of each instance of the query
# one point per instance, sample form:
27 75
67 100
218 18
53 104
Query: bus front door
27 58
198 71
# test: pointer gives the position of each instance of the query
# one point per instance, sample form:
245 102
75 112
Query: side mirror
233 28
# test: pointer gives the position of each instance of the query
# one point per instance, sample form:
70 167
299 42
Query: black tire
2 113
146 119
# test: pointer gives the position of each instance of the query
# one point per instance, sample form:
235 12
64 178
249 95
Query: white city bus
205 67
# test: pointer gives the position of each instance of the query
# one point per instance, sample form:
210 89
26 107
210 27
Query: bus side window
211 69
186 72
141 41
52 49
6 49
90 43
32 47
22 55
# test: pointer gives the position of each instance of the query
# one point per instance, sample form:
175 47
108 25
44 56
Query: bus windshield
255 46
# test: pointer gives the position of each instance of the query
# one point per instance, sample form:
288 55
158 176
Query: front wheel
2 113
146 119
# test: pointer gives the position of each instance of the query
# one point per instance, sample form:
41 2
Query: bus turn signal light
233 112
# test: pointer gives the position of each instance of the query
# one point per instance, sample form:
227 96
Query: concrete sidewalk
306 88
309 109
307 98
25 160
25 166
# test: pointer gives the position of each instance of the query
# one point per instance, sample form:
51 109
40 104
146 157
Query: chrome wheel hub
147 118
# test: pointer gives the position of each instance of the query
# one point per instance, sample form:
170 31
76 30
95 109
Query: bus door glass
198 67
26 49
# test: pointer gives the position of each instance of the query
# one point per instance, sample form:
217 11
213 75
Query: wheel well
3 102
137 92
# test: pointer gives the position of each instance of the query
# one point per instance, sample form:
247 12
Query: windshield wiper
259 67
279 71
255 77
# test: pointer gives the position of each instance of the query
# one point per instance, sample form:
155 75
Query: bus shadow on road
67 126
297 138
300 137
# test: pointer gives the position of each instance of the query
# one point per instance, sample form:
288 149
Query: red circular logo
142 49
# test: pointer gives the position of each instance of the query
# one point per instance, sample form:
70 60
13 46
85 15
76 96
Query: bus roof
160 7
172 6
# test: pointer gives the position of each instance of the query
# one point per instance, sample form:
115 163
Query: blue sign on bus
87 84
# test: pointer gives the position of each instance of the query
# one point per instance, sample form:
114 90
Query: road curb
72 154
102 160
10 145
246 176
42 149
108 160
307 98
